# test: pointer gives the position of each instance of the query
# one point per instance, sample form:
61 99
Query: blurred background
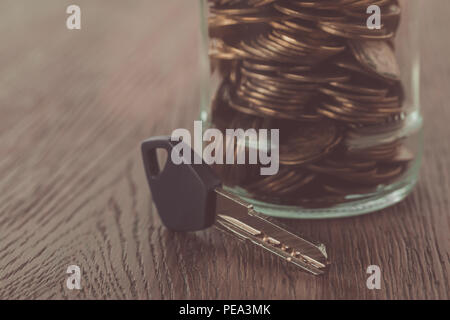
74 107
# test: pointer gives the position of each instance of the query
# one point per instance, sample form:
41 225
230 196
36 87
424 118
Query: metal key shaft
240 219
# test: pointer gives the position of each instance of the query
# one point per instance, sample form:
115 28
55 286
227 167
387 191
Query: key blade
238 217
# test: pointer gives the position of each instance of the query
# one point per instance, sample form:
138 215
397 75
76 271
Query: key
190 197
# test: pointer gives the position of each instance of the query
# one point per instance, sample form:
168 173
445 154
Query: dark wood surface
74 106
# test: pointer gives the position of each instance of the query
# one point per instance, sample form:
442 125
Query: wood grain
74 106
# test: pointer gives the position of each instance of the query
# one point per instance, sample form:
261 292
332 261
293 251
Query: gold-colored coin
377 56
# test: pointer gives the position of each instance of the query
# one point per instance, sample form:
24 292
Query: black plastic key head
183 193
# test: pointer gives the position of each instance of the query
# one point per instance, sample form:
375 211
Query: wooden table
74 106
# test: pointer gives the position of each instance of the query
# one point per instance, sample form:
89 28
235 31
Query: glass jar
342 93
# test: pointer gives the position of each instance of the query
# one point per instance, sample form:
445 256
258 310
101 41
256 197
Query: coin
377 56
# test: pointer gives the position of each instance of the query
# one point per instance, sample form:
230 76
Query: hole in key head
158 160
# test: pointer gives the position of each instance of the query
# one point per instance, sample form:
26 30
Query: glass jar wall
345 98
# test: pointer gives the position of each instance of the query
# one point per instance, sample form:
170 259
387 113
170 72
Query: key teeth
296 254
239 218
253 212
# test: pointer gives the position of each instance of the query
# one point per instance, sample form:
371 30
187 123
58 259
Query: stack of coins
314 70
